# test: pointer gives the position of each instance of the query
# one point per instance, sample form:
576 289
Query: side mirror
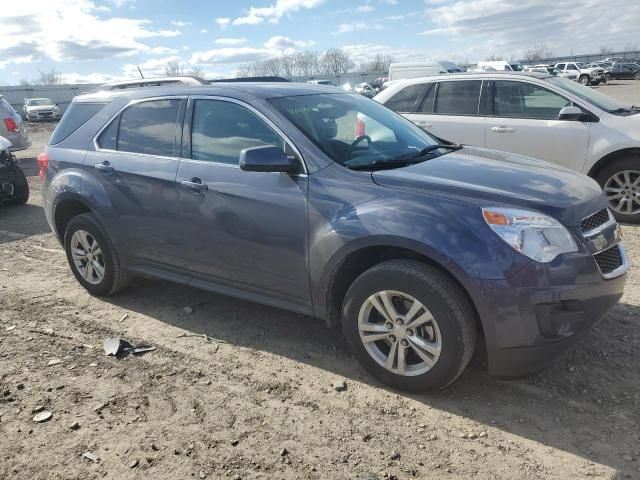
268 158
573 113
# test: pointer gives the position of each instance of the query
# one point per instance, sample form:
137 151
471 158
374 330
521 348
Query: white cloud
68 30
364 8
223 22
162 51
90 78
150 68
512 26
229 41
180 24
281 43
357 27
275 12
204 30
230 55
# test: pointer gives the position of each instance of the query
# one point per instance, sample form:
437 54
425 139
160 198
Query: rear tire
448 336
20 190
617 180
107 273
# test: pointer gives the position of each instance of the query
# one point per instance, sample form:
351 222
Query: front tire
620 182
93 258
409 325
584 80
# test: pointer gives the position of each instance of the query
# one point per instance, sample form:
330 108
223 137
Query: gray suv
12 127
421 250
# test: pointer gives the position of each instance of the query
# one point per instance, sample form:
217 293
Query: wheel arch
612 157
358 260
65 209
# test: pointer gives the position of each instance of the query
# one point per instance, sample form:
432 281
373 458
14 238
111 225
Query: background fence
63 94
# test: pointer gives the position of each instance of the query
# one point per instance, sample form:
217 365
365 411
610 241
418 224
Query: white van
499 66
400 71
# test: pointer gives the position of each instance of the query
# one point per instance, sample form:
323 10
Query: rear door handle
195 184
502 129
104 167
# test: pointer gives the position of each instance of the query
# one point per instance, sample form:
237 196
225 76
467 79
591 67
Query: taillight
11 124
43 163
360 128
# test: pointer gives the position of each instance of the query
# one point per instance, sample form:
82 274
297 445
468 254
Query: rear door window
148 128
458 97
76 115
408 98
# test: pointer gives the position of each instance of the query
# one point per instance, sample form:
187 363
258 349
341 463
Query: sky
103 40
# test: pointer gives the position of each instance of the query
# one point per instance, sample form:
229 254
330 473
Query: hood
40 107
491 178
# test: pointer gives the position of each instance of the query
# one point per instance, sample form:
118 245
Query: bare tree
606 50
197 72
48 78
537 53
494 58
378 64
174 69
336 61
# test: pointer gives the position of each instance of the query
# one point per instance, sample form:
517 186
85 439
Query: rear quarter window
75 116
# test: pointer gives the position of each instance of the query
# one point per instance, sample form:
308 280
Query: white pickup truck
586 75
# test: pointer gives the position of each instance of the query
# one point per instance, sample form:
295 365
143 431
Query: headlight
538 236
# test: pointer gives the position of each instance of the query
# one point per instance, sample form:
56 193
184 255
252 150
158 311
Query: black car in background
625 71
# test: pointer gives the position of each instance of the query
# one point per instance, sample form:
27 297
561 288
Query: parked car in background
378 83
151 82
586 75
625 71
41 109
537 115
450 67
12 127
606 67
267 193
399 71
499 66
551 70
14 188
365 89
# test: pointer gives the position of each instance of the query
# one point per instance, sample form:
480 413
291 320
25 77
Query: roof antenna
138 66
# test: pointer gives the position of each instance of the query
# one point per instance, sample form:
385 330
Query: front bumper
539 312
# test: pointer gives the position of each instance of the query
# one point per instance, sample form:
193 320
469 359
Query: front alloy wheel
410 325
399 333
623 192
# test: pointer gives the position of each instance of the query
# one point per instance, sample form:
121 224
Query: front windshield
352 130
40 101
592 96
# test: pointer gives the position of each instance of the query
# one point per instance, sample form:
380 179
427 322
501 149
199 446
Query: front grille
595 220
608 260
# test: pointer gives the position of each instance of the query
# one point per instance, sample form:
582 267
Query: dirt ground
257 399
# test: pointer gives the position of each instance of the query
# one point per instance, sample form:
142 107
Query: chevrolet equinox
421 250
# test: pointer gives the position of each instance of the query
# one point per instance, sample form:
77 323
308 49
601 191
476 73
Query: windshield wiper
633 108
403 161
427 150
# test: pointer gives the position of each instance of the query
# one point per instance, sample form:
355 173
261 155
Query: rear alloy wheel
620 182
409 325
92 256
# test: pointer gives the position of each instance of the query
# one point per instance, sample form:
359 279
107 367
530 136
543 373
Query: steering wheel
355 143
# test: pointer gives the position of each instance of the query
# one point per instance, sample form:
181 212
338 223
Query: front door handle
502 129
104 167
195 184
